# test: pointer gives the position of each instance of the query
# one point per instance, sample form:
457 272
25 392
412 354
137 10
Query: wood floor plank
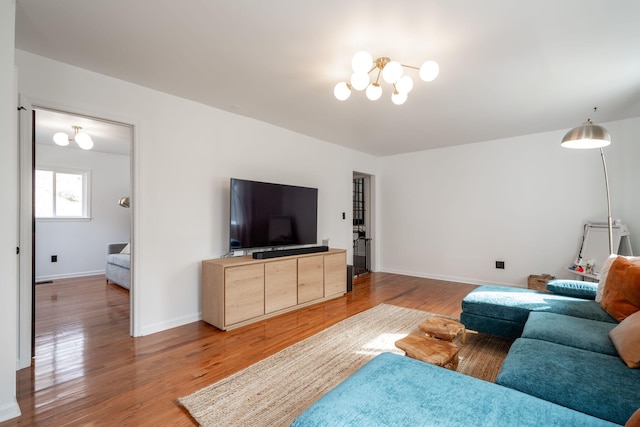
89 371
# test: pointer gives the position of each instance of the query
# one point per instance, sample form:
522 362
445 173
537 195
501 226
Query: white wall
626 188
81 245
184 154
8 214
451 213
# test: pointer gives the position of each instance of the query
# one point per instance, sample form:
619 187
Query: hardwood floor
89 371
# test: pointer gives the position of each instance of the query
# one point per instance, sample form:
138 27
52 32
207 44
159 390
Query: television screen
270 215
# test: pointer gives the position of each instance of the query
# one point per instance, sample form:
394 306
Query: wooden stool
444 329
430 350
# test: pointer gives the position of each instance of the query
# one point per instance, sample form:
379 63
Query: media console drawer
241 290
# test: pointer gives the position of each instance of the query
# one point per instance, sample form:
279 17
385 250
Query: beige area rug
274 391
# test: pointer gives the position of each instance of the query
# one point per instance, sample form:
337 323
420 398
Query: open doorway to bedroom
362 224
81 210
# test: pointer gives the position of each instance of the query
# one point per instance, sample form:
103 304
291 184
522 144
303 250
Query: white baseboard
9 410
23 362
452 278
173 323
68 275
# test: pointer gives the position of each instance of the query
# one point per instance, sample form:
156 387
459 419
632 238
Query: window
61 193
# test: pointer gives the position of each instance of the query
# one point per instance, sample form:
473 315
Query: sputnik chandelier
83 139
391 72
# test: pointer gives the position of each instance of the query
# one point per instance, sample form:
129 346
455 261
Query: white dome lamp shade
392 72
429 71
362 62
374 91
399 98
61 139
342 91
84 141
405 84
359 81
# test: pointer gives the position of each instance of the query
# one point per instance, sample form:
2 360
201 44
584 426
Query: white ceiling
507 68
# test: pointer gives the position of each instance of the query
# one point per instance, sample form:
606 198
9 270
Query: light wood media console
241 290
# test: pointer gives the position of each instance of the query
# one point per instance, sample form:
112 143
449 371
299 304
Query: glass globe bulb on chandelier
392 72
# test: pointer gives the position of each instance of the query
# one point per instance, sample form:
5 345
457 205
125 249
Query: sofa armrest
115 248
573 288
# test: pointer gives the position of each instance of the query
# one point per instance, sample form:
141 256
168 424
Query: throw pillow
126 249
626 339
604 271
621 296
634 421
572 288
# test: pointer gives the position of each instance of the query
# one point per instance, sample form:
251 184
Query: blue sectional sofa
563 353
504 311
562 370
393 390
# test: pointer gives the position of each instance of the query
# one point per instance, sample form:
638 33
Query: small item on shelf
579 265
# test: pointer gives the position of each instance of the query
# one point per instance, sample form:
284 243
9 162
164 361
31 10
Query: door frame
26 296
25 235
370 214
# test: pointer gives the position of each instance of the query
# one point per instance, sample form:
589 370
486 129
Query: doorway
362 224
72 226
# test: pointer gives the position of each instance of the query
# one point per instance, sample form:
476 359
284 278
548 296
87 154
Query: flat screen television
271 215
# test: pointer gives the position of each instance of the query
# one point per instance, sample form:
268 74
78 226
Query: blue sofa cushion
491 325
393 390
594 383
515 304
576 332
573 288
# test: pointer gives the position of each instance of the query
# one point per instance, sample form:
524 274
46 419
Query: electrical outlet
54 258
500 265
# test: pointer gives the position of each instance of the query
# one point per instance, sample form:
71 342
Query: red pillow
621 297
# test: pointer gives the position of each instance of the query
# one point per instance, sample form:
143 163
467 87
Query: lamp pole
606 183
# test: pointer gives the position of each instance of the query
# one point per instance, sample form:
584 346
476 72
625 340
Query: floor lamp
593 136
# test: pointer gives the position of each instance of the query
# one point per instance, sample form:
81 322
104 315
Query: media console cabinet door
244 293
335 274
310 278
280 285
